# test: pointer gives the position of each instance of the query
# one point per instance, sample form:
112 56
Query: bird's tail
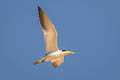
39 61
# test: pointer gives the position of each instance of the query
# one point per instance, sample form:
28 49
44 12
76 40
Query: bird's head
67 52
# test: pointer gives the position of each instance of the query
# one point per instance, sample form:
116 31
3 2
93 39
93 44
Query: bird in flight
53 54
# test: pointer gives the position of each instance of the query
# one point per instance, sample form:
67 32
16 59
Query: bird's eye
64 50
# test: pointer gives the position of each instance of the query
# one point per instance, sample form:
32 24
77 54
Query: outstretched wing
57 62
50 34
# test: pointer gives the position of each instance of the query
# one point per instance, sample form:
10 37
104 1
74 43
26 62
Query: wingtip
38 6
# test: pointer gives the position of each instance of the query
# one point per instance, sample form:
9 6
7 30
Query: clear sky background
91 28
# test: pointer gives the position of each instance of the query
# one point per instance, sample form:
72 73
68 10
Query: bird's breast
55 54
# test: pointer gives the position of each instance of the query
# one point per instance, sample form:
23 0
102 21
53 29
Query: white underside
57 53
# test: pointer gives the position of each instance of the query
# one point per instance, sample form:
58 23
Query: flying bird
53 54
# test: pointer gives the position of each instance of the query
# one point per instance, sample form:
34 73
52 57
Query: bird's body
53 54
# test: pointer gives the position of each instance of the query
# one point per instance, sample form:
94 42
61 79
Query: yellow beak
70 52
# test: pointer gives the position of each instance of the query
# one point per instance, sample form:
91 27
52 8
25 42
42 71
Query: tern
53 54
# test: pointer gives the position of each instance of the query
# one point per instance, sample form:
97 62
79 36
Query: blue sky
91 28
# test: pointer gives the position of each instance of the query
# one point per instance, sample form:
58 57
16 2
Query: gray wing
50 34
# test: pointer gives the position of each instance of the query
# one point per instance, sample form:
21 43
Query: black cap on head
64 50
